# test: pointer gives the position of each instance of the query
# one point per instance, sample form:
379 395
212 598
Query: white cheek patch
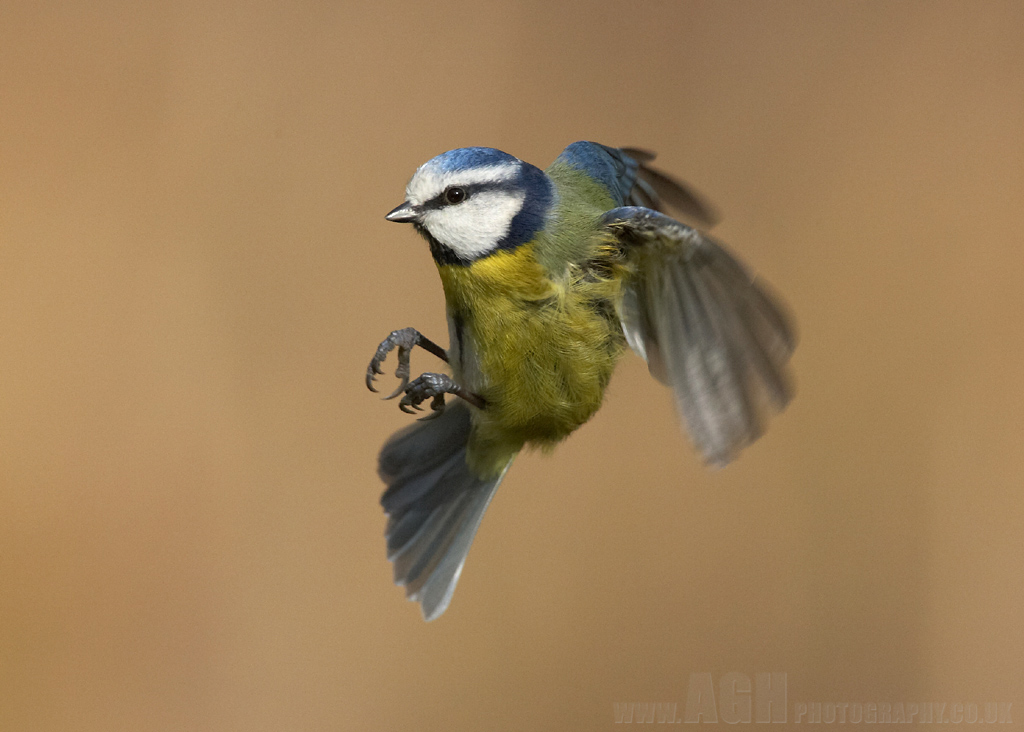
428 182
475 226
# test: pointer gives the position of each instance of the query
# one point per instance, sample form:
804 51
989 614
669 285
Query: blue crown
465 158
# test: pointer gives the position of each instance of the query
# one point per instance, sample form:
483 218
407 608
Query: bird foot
405 340
434 387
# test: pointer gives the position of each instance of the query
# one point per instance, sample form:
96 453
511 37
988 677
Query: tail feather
434 503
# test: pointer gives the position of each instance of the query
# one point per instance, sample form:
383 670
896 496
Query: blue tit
548 275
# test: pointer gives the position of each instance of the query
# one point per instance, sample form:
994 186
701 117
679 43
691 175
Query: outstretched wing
655 190
630 179
706 327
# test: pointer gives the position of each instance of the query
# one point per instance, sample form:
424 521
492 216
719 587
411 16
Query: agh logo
738 701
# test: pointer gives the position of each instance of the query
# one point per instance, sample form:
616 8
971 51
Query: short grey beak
404 214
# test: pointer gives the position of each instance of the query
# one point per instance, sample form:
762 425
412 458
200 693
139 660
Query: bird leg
435 386
405 339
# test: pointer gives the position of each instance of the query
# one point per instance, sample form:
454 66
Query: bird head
471 202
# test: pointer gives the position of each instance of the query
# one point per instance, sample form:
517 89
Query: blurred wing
657 190
706 327
630 180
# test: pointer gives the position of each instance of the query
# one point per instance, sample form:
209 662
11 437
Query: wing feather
630 180
706 327
663 189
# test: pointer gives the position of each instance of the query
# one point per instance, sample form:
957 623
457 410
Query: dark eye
455 195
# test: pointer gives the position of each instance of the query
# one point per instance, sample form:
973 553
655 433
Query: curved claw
433 387
372 371
436 408
404 340
399 390
411 402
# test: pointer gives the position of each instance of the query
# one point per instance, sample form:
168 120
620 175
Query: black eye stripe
439 201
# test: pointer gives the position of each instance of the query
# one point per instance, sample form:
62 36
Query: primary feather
707 328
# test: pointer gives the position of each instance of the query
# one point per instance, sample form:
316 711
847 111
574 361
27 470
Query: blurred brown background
195 270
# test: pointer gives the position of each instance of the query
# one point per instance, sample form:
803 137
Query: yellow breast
539 351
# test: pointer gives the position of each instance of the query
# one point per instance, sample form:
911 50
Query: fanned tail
434 504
